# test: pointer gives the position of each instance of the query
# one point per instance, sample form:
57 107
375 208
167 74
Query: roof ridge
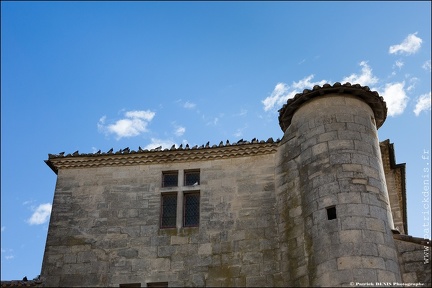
158 149
372 98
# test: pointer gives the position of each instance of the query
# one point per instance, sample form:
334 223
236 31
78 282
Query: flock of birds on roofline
173 147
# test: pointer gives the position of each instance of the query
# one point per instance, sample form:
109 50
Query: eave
126 157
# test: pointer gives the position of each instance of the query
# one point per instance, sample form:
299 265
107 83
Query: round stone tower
335 218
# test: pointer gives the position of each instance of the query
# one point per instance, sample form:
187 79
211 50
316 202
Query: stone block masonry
311 209
338 172
116 221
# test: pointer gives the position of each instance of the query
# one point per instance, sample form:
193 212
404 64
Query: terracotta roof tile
158 155
372 98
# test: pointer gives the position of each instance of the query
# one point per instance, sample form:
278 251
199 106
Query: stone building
323 206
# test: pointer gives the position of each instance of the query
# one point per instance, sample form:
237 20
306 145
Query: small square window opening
331 213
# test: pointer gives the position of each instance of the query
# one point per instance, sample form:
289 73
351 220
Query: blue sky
98 75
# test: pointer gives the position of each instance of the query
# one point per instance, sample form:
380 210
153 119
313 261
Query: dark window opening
169 210
157 284
331 213
170 179
191 209
192 178
131 285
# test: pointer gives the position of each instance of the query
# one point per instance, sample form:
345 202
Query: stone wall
104 228
414 259
395 180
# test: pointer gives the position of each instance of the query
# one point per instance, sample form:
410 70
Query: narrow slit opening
331 213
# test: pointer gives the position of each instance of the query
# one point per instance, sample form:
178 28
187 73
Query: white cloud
145 115
399 64
166 144
278 95
366 77
102 120
134 123
395 97
427 65
189 105
282 92
128 127
423 104
413 81
395 94
306 83
243 112
214 121
101 124
28 202
410 45
10 252
180 131
41 215
239 132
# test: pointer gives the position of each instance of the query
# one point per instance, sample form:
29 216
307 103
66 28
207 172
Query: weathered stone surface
264 208
414 261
